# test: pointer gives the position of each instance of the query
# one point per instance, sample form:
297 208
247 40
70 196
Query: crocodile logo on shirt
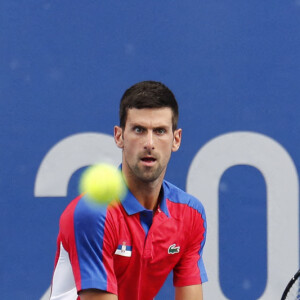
173 249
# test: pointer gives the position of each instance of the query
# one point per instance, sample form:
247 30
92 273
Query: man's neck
147 193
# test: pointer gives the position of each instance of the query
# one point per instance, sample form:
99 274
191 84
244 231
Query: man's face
147 142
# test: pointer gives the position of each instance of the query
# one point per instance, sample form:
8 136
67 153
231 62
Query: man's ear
176 140
118 135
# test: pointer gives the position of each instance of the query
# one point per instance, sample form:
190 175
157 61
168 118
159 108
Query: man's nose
149 143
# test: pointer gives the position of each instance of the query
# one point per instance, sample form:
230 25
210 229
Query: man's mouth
148 160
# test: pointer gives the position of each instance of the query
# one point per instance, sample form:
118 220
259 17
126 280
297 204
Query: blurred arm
191 292
96 295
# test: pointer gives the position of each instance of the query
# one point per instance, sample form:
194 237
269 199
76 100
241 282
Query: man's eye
160 131
138 129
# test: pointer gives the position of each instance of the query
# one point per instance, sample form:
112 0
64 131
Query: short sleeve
190 269
84 237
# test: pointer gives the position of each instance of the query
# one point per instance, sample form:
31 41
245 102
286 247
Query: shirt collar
165 195
133 206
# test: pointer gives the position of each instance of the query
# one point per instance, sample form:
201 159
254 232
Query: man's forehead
155 116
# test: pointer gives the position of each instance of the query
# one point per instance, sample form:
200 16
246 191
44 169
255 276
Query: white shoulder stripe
63 283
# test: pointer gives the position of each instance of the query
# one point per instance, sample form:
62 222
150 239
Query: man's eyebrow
137 125
161 126
154 126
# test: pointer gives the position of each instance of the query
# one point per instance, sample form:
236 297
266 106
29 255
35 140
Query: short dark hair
148 94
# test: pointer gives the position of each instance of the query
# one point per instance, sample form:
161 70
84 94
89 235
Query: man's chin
149 176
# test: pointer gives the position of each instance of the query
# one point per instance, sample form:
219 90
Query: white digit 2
66 157
69 155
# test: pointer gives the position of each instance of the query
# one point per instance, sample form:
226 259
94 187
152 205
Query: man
126 251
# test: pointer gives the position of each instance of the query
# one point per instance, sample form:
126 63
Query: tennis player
126 251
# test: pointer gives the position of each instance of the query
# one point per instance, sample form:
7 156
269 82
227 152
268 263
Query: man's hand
94 294
190 292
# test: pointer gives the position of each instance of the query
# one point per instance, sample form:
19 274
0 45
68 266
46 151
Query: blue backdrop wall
234 67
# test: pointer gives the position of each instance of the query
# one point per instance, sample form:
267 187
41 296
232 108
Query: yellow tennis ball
103 183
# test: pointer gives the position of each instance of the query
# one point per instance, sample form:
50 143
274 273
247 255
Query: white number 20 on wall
207 167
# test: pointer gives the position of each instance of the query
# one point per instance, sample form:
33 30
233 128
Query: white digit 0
278 169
